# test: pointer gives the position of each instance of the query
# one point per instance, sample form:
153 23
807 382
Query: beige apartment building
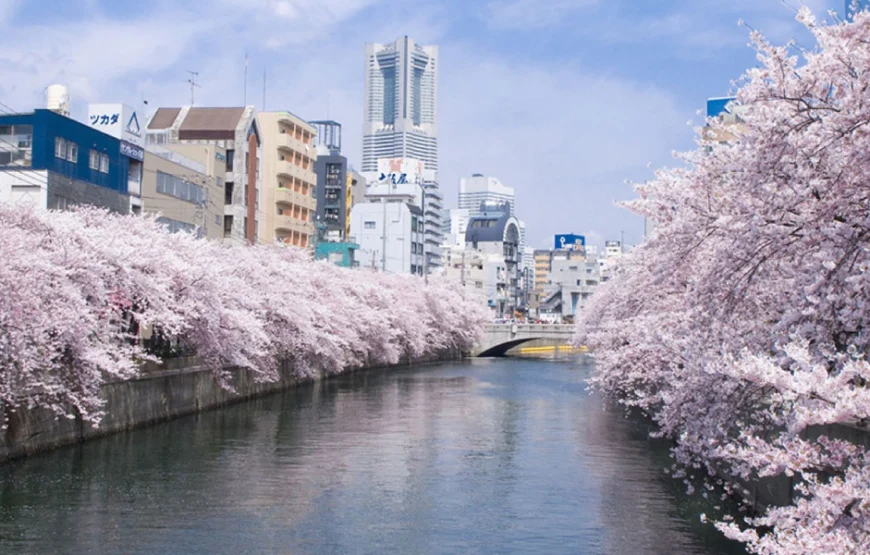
288 181
234 130
184 184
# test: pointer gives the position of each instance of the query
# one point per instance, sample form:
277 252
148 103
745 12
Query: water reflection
486 456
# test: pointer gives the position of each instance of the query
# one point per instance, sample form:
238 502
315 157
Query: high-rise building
289 182
478 189
400 121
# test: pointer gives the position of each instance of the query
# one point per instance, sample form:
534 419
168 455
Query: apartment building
289 184
235 130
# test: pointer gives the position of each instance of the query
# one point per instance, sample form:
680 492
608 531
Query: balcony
288 169
291 143
288 223
290 196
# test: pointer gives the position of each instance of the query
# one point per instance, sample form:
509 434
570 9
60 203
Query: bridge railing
531 328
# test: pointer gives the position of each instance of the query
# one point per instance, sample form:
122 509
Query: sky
567 101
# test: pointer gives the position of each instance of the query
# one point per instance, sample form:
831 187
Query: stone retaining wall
180 387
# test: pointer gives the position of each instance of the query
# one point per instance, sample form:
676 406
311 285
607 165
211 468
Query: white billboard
398 171
117 120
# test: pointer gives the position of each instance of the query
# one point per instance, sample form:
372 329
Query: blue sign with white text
570 241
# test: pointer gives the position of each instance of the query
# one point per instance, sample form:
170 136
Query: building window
176 226
369 225
413 249
60 203
59 147
16 143
230 155
94 160
176 187
72 152
228 226
413 268
104 163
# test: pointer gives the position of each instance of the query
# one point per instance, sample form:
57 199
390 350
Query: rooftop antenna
193 84
245 101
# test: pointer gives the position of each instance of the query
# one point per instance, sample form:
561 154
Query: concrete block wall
180 387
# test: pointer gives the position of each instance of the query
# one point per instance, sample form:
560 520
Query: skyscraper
400 121
479 188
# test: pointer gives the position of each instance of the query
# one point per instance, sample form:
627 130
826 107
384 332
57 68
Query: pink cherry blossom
80 286
742 326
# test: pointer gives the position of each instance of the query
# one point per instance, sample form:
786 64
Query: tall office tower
400 120
479 188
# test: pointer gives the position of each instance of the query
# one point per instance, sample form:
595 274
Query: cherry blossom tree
82 288
741 326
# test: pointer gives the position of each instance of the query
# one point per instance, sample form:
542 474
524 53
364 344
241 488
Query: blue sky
564 100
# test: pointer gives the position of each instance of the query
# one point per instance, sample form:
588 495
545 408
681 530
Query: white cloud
564 139
525 14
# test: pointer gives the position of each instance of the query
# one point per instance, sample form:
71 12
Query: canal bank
179 387
477 456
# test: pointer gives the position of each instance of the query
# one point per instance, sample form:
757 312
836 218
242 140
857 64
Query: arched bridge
499 338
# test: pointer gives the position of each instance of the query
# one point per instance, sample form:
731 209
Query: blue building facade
84 165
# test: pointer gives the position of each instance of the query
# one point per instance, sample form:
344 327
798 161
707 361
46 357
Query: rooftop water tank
57 99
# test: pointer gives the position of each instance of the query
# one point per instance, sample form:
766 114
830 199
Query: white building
571 283
454 227
478 188
389 226
482 274
527 273
496 235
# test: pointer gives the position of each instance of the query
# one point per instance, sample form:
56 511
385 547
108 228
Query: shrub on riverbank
81 289
744 321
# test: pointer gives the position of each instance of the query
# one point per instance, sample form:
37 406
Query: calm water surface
484 456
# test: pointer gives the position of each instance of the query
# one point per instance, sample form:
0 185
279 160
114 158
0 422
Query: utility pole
425 254
193 84
384 237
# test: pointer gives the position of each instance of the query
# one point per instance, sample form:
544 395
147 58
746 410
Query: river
481 456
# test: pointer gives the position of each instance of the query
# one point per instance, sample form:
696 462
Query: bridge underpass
498 339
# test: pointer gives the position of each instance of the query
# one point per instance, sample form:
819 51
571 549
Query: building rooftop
200 123
163 118
491 226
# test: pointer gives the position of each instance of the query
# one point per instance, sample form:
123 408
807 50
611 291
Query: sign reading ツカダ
117 120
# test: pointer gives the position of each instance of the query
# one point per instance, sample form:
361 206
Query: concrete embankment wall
180 387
